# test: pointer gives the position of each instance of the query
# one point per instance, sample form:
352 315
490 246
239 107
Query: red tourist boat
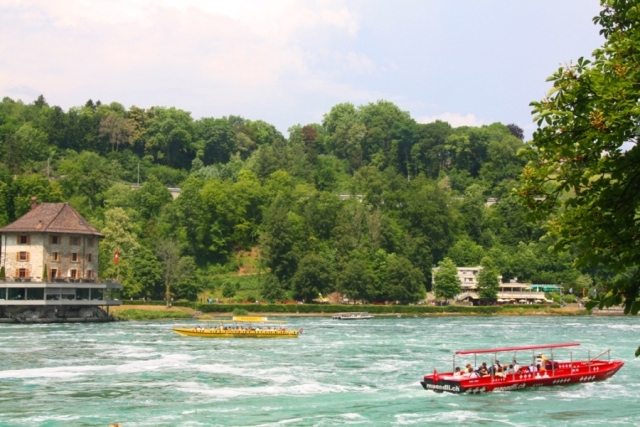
550 371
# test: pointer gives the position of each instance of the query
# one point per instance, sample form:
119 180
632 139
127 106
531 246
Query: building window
73 274
74 241
88 257
74 257
22 256
23 240
90 241
89 274
54 274
55 240
55 256
23 273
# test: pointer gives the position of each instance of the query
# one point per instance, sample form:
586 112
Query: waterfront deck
75 292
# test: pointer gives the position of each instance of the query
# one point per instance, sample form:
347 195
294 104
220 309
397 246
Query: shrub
229 290
557 298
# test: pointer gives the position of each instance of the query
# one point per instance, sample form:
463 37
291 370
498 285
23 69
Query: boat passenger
516 367
483 371
533 368
499 372
458 372
468 368
541 360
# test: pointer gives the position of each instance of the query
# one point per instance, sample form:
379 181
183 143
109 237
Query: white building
507 292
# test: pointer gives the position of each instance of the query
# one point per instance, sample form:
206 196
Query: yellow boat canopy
249 319
252 319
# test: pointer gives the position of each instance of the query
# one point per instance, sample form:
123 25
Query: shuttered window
23 239
55 256
22 256
74 257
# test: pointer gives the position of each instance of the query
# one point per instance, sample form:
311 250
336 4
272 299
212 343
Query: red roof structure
51 218
521 348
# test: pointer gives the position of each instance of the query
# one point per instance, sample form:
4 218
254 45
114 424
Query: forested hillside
366 202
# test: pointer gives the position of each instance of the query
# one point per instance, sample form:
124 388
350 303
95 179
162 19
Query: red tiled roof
51 218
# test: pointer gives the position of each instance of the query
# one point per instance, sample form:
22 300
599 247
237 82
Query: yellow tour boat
240 331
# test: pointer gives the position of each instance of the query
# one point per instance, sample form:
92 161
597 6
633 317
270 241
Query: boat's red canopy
522 348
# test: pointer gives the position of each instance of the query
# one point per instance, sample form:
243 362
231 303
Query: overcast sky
469 62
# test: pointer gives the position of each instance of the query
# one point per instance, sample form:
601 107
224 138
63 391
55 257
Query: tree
447 282
272 289
150 198
218 140
488 281
278 240
167 251
466 252
115 127
584 160
516 131
357 281
144 278
188 285
313 277
401 280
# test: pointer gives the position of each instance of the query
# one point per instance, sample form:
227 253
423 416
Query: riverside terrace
75 300
49 268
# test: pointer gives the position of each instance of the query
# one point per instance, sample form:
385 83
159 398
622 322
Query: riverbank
152 312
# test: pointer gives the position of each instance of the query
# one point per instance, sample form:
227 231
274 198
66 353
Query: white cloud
67 46
454 119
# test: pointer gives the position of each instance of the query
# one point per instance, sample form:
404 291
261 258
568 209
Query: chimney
33 202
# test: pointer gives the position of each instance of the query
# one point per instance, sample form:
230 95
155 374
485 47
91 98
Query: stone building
50 261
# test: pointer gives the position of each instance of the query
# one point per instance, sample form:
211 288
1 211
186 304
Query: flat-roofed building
507 292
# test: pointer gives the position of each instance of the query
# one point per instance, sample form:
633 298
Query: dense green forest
366 202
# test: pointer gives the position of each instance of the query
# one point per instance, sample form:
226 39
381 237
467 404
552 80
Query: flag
435 376
116 257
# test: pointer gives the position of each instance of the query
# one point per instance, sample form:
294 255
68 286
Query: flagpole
116 259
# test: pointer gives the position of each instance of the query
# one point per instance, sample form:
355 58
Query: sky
468 62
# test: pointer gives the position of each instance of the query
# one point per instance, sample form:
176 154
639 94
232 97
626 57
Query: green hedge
181 303
338 308
373 309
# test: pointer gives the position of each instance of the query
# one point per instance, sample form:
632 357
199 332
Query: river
336 373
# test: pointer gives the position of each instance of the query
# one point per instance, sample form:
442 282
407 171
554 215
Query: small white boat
353 315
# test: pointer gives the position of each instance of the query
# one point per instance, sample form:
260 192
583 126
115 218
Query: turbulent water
336 373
